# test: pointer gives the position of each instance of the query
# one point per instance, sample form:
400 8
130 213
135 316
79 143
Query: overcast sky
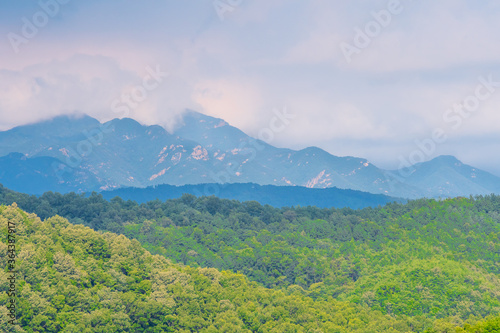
363 78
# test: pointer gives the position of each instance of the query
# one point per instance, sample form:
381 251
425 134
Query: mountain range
78 153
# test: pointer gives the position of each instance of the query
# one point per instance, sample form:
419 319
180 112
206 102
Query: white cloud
265 55
87 84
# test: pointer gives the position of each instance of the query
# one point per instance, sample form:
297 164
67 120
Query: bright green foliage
66 285
489 325
426 265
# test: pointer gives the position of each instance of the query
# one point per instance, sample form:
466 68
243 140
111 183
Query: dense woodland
207 264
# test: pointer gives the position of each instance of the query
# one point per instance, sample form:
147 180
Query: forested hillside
423 266
73 279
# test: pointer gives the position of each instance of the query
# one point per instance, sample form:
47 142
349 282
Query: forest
215 265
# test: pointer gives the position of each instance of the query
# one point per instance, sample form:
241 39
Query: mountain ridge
203 149
276 196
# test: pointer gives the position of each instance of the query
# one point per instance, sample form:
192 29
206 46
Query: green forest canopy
426 265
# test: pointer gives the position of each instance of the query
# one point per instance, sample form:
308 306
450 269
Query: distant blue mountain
277 196
41 174
123 153
446 176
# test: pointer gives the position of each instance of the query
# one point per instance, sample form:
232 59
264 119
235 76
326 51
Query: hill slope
73 279
423 265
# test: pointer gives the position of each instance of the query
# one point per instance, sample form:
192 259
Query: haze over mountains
80 154
276 196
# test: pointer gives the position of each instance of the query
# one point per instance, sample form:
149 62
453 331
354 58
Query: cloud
266 55
87 84
49 89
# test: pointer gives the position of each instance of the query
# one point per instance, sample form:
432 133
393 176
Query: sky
396 82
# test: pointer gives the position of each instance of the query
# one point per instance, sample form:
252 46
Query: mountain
252 160
211 132
32 139
120 152
446 176
123 153
42 174
276 196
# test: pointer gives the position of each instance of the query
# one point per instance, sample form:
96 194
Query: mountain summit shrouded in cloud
82 154
324 109
414 63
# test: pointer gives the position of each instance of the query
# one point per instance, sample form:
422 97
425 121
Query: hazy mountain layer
277 196
89 155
